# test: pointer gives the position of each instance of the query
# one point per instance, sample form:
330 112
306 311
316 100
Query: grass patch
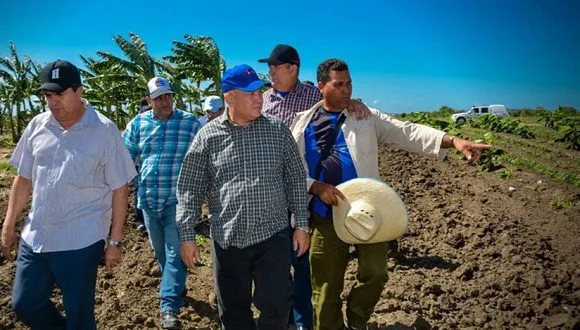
559 204
6 167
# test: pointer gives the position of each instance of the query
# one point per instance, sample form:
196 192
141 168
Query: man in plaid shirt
158 141
287 97
247 165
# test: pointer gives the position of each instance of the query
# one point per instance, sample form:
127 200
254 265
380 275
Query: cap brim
272 61
254 86
51 87
160 92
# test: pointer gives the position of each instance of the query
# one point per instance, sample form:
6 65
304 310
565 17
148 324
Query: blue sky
405 55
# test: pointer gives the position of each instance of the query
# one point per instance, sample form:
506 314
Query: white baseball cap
158 86
213 104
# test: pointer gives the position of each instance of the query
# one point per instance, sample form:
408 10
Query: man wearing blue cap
248 167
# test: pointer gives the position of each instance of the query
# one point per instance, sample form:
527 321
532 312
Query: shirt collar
298 90
224 118
174 115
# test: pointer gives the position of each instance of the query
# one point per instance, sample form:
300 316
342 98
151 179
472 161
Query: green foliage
489 157
489 160
526 112
505 174
427 119
537 167
570 134
502 125
558 203
200 240
6 167
564 121
444 112
6 141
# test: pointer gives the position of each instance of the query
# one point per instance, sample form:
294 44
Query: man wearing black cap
287 97
247 165
73 162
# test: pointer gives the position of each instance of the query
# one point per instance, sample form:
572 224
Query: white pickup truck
497 109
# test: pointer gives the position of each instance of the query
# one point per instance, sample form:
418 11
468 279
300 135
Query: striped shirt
338 167
301 98
158 147
251 177
73 172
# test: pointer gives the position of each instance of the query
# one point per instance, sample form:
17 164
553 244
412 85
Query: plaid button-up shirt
158 147
301 98
251 177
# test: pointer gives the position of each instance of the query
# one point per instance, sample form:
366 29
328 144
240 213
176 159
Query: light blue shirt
74 172
158 147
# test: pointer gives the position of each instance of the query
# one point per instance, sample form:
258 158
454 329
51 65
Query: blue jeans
165 242
302 307
75 273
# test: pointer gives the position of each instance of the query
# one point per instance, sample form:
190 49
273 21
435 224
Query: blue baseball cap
241 77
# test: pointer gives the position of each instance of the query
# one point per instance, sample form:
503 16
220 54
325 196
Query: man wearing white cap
158 140
338 149
213 108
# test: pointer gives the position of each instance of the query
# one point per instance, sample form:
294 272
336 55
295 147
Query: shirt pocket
366 140
269 159
85 170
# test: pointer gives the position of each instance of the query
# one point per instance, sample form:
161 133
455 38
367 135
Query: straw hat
372 213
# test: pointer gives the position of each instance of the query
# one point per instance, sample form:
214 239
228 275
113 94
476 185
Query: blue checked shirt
158 148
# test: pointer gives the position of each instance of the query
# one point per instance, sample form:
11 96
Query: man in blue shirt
158 141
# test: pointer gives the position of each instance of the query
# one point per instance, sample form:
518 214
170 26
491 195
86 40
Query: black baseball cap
58 76
282 54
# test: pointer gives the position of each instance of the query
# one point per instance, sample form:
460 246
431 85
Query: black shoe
169 321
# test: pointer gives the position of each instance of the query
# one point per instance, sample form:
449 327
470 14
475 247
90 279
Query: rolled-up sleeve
295 181
191 188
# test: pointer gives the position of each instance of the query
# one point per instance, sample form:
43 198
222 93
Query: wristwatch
112 242
305 229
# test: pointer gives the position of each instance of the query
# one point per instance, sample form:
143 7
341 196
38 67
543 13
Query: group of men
267 162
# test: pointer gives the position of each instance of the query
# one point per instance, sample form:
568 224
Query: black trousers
267 266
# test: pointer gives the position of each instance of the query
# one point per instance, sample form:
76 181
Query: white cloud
375 102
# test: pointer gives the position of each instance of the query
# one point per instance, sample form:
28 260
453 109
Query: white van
497 109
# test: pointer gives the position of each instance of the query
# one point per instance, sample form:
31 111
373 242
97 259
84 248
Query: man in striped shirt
73 162
158 140
288 96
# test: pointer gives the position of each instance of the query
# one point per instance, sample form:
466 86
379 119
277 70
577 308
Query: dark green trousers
329 258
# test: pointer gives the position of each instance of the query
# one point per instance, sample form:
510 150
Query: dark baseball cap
58 76
282 54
